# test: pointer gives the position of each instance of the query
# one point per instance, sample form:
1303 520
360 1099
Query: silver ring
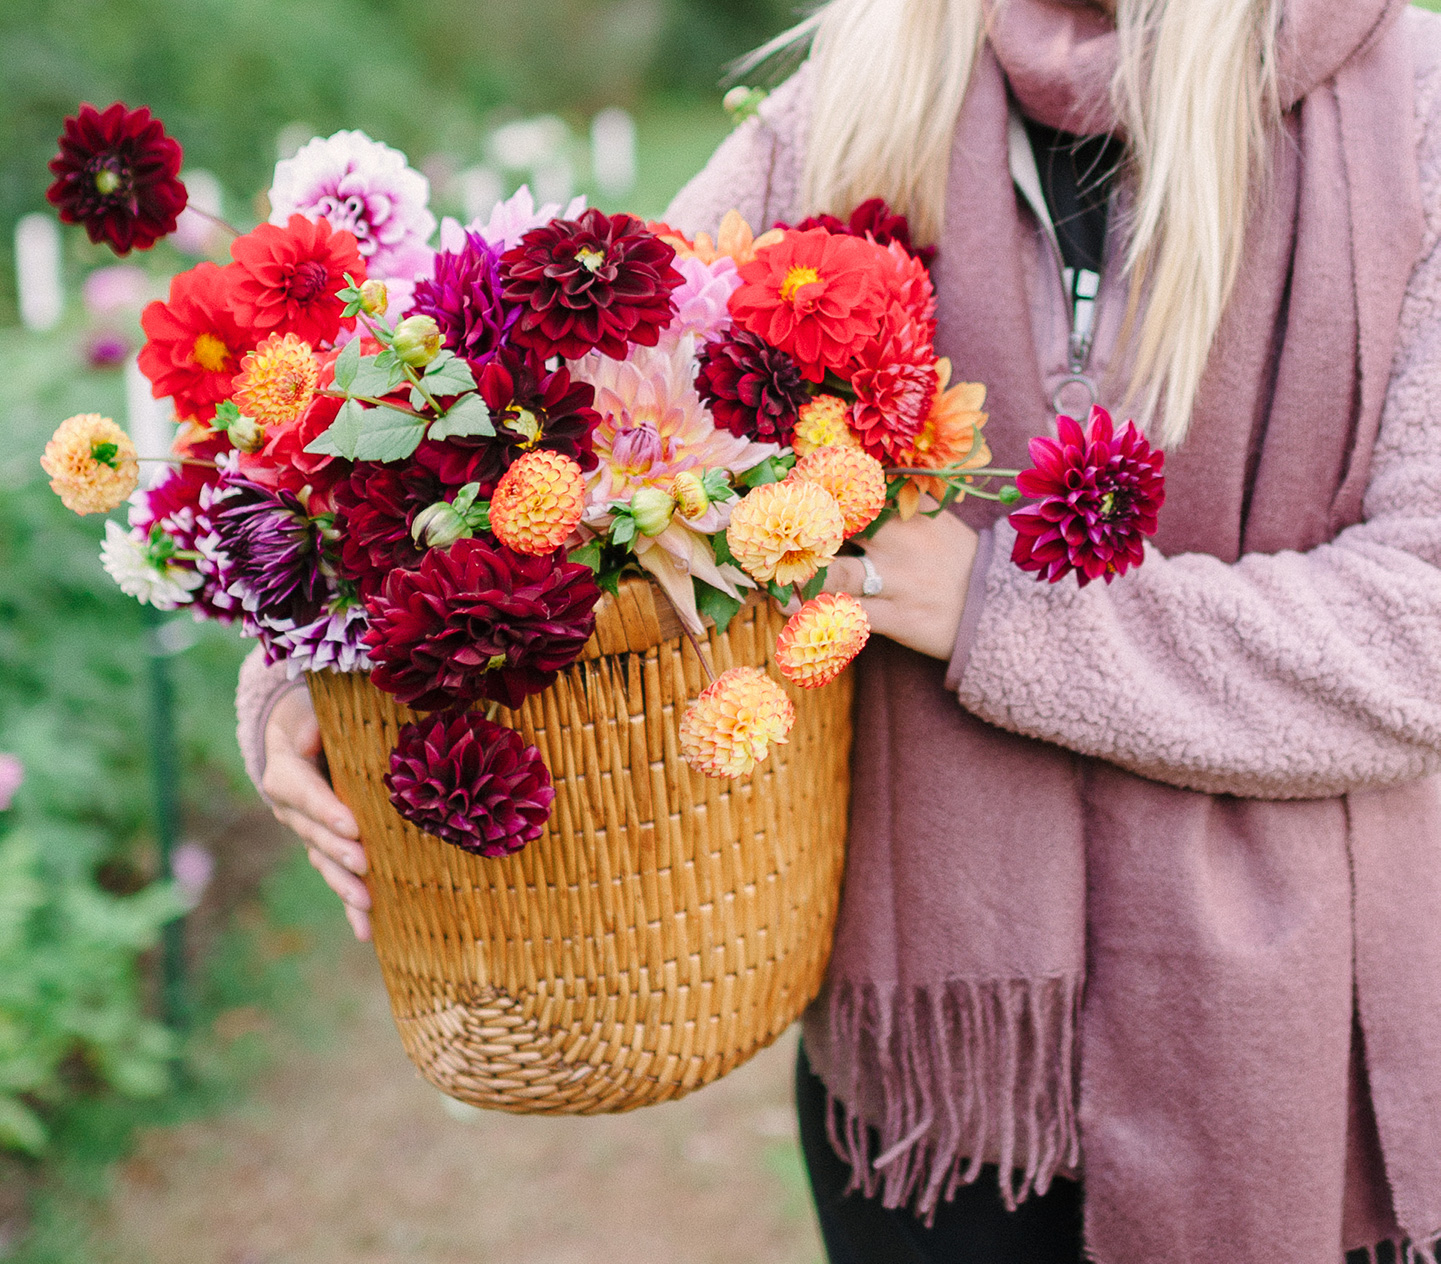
874 585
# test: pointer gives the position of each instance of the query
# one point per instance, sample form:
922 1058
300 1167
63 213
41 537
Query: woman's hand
302 799
924 566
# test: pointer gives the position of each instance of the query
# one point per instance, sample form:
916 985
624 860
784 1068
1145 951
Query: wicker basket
664 928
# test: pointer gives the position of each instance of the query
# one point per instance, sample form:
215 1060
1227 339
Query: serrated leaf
772 470
346 365
342 435
388 435
589 554
227 413
722 548
371 378
622 530
466 418
418 399
448 375
817 585
720 608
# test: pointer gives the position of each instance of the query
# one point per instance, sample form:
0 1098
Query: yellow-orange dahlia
91 463
277 380
824 422
538 502
821 638
853 476
786 531
729 729
951 436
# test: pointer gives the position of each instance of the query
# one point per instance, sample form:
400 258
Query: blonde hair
1196 92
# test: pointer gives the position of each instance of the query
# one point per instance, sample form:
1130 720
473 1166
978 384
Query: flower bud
691 499
438 526
246 433
652 510
417 341
373 298
1010 494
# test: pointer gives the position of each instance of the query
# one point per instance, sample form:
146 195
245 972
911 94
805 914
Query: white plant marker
613 152
150 421
37 272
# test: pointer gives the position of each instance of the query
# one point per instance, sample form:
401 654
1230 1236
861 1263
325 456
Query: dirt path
342 1155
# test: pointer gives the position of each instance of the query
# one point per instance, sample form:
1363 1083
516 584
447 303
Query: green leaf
370 434
720 608
468 416
722 548
227 413
347 364
717 484
465 497
373 378
772 470
609 581
778 593
448 375
622 530
815 587
589 554
342 435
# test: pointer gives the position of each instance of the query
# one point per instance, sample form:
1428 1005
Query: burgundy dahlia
1098 495
463 297
470 782
477 620
118 174
375 508
599 283
268 551
531 407
753 389
876 220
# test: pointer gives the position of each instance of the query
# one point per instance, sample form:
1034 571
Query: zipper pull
1085 286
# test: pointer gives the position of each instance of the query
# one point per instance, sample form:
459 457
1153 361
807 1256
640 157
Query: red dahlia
895 382
117 173
1098 495
287 279
753 390
530 407
599 283
478 621
470 782
876 220
193 342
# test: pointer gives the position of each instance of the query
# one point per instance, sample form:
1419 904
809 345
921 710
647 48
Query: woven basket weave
664 928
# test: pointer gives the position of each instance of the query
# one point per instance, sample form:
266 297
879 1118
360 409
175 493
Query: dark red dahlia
1098 495
194 344
287 279
599 283
477 620
463 297
531 407
753 389
374 510
876 220
118 174
470 782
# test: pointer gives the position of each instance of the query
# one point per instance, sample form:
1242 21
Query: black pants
974 1229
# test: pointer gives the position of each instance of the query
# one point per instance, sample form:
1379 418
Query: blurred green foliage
429 76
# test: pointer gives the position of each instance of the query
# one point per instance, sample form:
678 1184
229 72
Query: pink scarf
1035 965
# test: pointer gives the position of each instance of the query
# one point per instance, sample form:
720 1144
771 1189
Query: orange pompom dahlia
728 730
824 422
538 502
92 464
854 478
951 435
785 531
277 380
821 639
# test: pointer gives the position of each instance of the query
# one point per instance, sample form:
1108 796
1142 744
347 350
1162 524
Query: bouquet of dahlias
428 463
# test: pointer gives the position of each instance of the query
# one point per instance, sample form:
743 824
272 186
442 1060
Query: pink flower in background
512 219
12 773
365 188
122 287
192 867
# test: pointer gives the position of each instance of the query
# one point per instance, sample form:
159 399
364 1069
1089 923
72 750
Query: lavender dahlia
478 621
1098 494
470 782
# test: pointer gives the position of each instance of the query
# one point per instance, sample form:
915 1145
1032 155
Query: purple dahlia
268 551
463 297
597 283
754 390
531 407
470 782
1098 495
118 174
477 620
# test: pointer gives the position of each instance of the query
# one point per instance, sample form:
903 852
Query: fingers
359 923
344 883
845 575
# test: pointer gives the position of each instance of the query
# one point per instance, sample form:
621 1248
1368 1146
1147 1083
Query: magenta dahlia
754 390
477 620
463 297
599 283
118 174
470 782
268 551
1098 494
531 407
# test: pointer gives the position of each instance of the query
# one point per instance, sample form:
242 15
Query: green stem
178 460
949 472
378 403
415 381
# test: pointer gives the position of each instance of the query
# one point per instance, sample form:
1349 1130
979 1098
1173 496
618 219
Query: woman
1143 886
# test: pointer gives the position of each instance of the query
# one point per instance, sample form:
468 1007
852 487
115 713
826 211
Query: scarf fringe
1428 1252
958 1076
